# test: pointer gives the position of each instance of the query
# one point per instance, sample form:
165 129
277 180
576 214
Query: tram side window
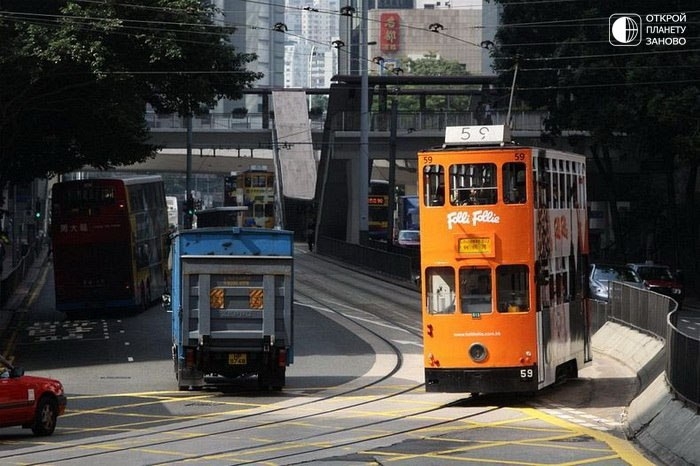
473 184
514 183
513 294
441 290
475 290
433 185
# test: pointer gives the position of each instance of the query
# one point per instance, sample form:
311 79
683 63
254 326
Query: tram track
278 416
377 414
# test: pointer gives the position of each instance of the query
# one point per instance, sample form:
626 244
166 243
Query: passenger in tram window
515 196
439 196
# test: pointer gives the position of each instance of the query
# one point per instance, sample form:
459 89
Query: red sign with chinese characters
390 35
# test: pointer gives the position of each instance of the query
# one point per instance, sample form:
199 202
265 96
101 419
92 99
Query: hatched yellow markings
150 419
132 426
159 399
483 445
624 449
132 444
620 449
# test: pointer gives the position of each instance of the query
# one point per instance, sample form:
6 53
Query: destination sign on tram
482 245
476 135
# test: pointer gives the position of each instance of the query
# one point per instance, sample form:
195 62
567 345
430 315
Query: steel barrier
683 363
9 284
656 315
381 258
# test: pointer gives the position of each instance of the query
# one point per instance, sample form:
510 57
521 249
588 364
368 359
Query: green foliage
649 93
432 65
77 76
567 66
319 101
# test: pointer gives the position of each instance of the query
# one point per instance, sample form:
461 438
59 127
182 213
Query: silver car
600 276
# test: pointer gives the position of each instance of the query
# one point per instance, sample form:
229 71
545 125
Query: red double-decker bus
504 257
110 240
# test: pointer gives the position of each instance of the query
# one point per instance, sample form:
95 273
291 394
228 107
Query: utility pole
363 168
392 170
189 202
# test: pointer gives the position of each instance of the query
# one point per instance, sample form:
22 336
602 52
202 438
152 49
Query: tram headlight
478 352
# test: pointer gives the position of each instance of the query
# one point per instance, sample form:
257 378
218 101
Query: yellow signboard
475 245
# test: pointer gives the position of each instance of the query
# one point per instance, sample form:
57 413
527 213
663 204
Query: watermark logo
628 30
625 29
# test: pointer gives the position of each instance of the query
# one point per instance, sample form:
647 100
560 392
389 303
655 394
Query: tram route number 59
527 374
484 134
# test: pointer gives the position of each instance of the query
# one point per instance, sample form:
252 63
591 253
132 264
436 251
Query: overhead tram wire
47 20
43 19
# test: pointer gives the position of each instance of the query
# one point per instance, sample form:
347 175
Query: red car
27 401
659 278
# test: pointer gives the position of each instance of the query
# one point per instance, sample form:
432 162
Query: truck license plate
237 359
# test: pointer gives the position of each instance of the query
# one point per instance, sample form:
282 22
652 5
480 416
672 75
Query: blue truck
232 306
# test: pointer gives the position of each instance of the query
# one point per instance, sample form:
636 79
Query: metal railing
383 258
656 315
407 122
12 280
683 363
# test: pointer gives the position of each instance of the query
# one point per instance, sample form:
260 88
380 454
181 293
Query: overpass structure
252 135
222 143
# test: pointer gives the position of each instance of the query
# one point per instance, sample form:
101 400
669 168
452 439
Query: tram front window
512 292
514 183
475 290
441 290
473 184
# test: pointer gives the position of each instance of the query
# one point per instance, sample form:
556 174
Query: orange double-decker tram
504 257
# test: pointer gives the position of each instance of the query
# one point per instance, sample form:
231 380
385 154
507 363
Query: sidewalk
20 294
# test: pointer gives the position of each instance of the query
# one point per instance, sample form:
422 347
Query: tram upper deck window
514 183
475 290
473 184
512 288
433 185
441 290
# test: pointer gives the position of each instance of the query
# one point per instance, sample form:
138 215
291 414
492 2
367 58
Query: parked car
410 238
600 276
659 278
29 401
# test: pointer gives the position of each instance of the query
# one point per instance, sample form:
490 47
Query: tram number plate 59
237 359
527 373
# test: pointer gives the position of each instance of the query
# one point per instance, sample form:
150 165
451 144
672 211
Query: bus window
475 289
433 185
514 183
441 290
512 282
473 184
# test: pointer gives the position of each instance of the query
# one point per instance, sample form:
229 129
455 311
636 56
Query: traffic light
37 209
189 213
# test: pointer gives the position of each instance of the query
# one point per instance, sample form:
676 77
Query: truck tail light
282 358
190 357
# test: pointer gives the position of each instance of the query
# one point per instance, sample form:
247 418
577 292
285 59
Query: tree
77 77
432 65
649 93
